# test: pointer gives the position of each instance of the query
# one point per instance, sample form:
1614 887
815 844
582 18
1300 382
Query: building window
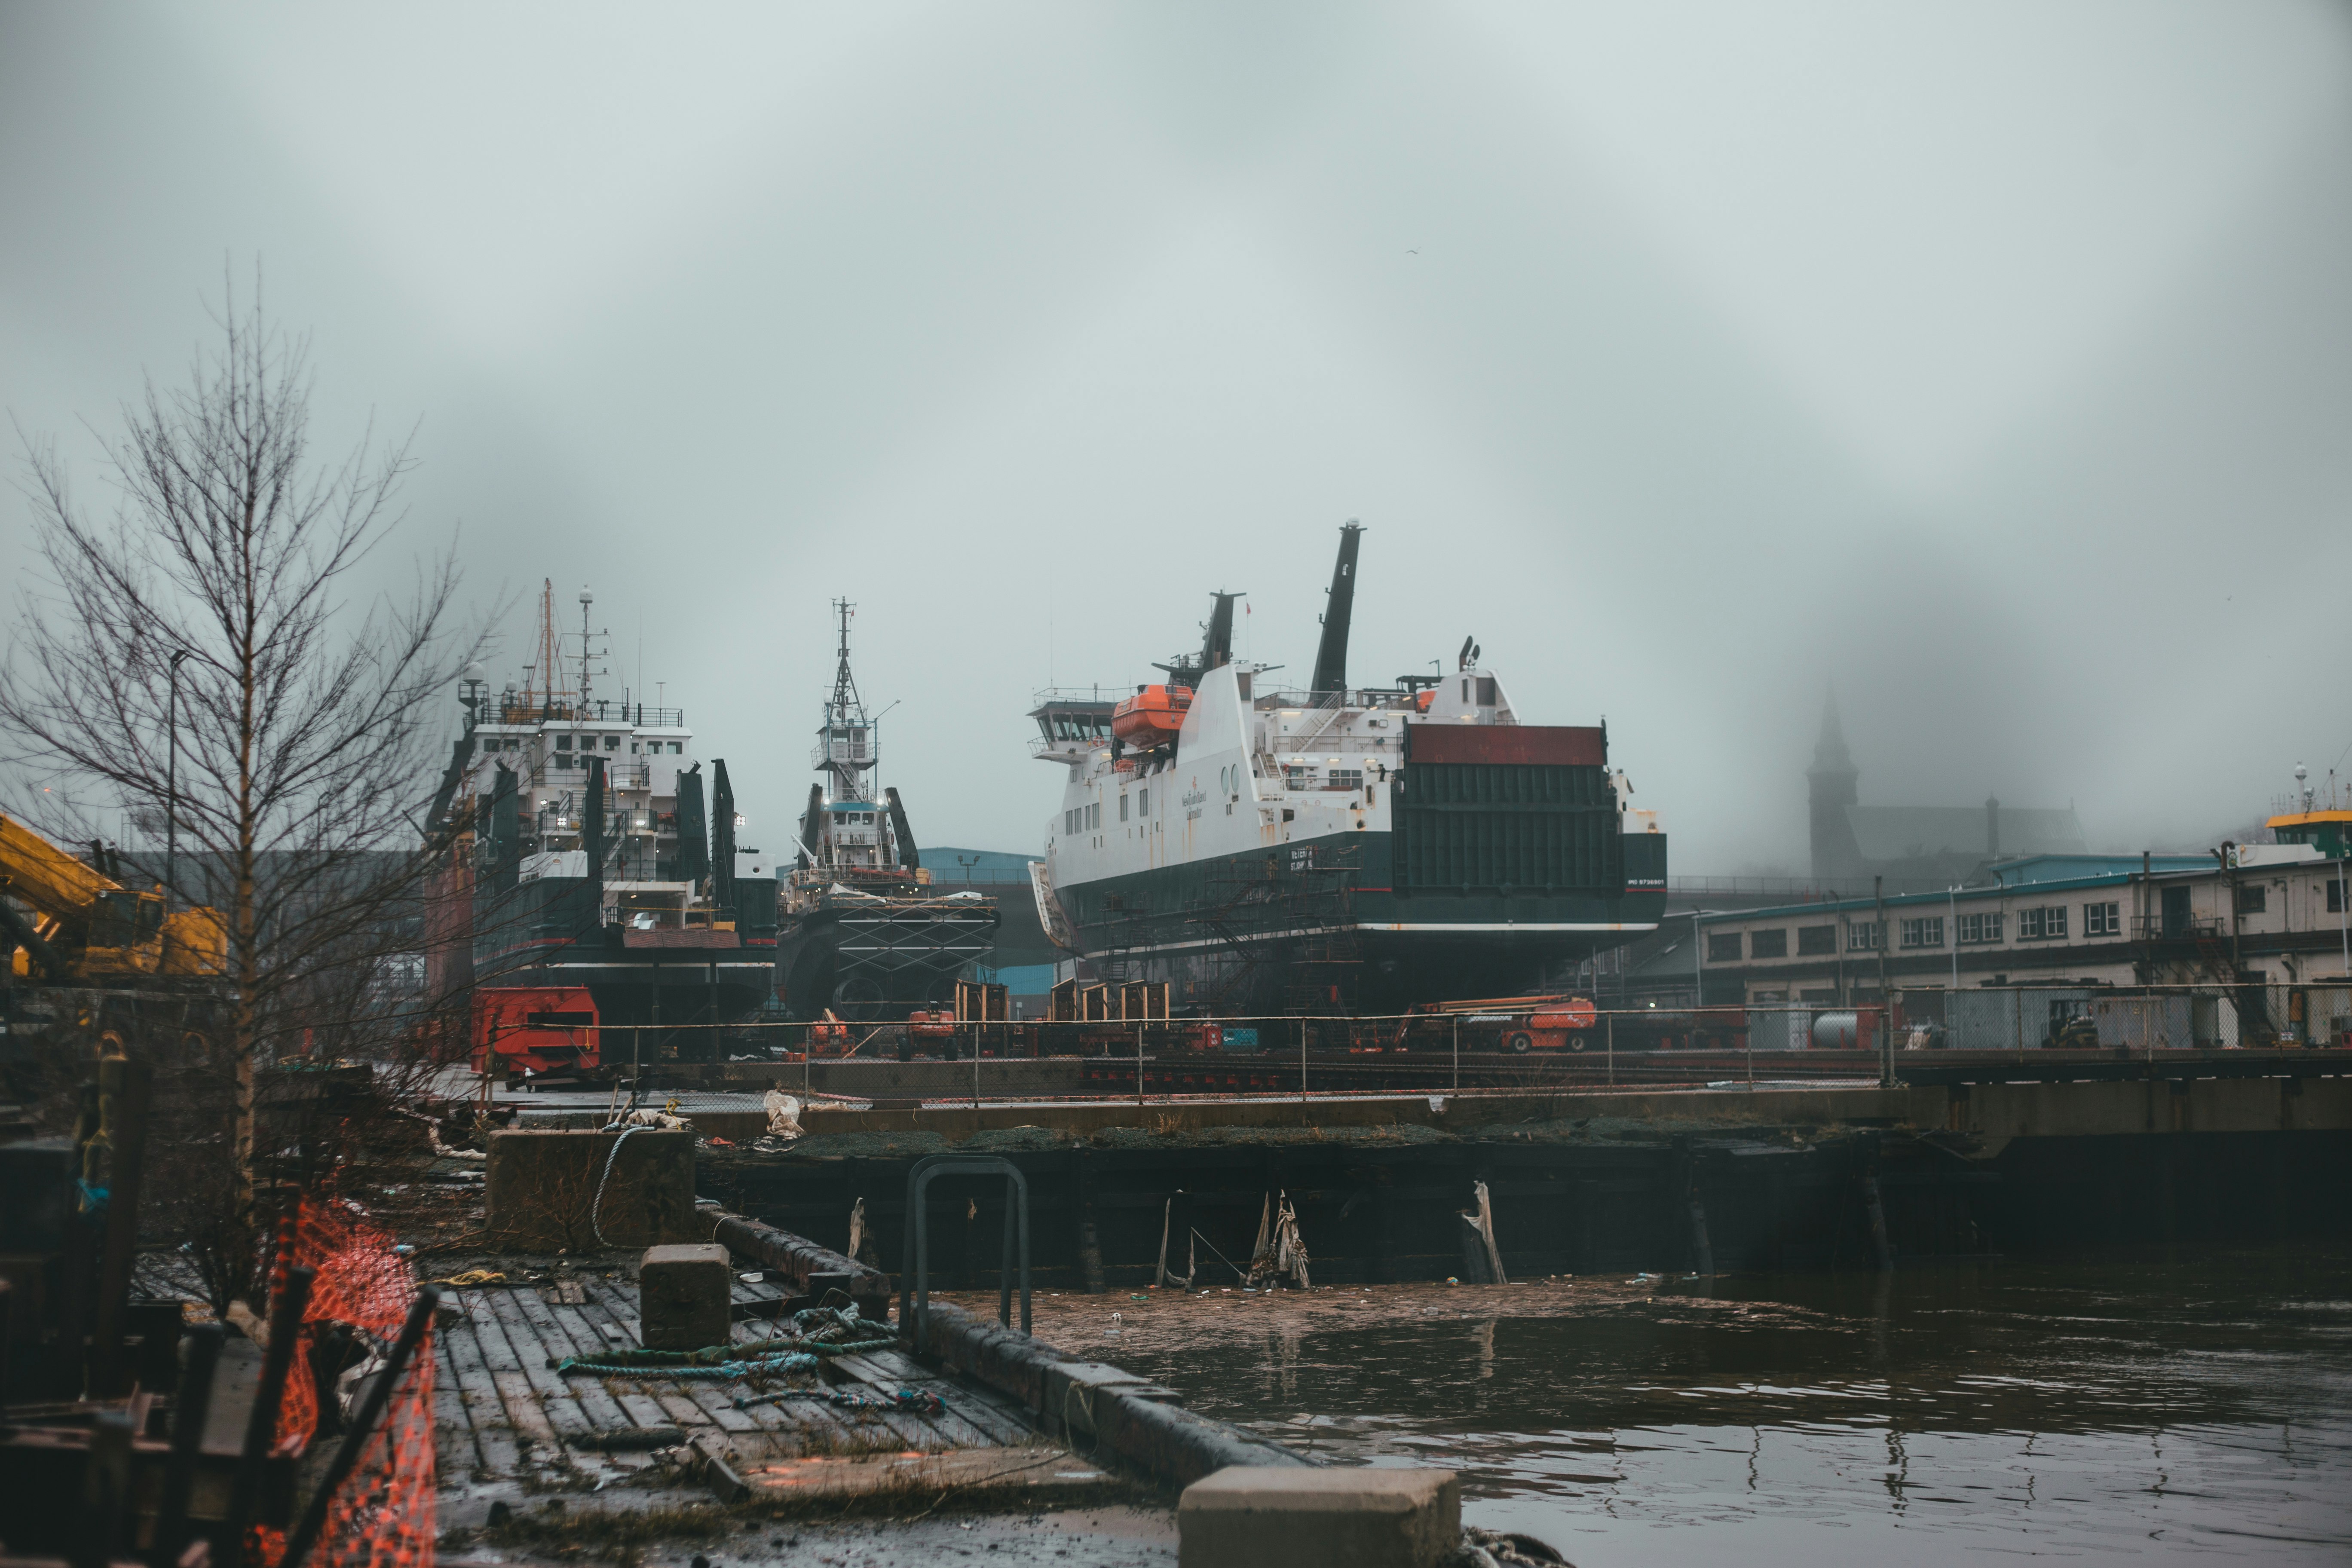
1816 939
1980 928
563 743
611 742
1722 947
2336 897
2103 920
1924 932
1862 936
2045 924
2253 897
1768 943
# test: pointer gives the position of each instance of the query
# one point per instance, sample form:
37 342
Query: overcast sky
1994 360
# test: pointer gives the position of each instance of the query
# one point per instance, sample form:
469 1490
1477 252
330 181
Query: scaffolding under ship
1339 849
864 935
585 863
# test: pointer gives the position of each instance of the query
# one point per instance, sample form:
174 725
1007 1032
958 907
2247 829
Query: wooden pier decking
505 1414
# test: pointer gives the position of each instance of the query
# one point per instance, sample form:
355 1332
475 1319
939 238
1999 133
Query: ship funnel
908 856
1331 653
812 825
592 839
722 842
693 835
1217 648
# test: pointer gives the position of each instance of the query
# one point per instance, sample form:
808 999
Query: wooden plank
951 1424
456 1456
644 1409
492 1432
720 1405
554 1393
597 1404
683 1412
1001 1423
598 1316
620 1305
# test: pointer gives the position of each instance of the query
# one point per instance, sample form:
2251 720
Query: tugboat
591 906
865 936
1339 848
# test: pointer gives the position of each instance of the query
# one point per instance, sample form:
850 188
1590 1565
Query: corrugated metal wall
1488 825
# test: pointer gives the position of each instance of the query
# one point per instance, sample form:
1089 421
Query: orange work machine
535 1030
1505 1023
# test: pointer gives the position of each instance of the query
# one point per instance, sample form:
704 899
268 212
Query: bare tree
306 723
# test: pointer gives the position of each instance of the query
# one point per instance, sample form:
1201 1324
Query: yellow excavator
84 928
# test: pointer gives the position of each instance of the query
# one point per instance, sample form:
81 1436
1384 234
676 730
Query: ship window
2335 895
563 743
676 747
1465 690
1093 814
1348 779
1123 807
611 742
1486 691
1143 805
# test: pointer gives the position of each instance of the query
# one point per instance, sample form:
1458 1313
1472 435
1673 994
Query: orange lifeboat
1153 716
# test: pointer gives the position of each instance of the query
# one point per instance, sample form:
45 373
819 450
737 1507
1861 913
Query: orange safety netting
382 1514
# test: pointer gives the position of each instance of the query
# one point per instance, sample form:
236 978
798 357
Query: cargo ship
1335 848
591 906
865 935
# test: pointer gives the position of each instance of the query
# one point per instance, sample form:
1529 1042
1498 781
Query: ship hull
875 961
672 984
1321 925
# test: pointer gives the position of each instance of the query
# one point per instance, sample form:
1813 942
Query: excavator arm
85 924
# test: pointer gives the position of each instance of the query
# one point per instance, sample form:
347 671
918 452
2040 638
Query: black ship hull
1324 926
872 960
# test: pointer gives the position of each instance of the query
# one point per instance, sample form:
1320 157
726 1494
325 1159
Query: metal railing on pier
2023 1032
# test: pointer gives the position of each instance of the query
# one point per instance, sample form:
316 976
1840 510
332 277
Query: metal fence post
1457 1052
1139 1067
1611 1029
1302 1061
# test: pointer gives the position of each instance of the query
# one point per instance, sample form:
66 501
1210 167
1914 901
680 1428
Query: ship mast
846 740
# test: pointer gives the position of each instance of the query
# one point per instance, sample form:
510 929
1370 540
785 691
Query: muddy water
2165 1409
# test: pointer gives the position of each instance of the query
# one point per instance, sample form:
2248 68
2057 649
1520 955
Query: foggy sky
1993 361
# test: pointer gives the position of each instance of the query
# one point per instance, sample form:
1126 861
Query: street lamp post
172 782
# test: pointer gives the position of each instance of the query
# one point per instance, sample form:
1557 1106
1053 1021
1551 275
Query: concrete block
682 1297
540 1192
1244 1516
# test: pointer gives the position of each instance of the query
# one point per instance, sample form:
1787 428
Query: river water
2158 1409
